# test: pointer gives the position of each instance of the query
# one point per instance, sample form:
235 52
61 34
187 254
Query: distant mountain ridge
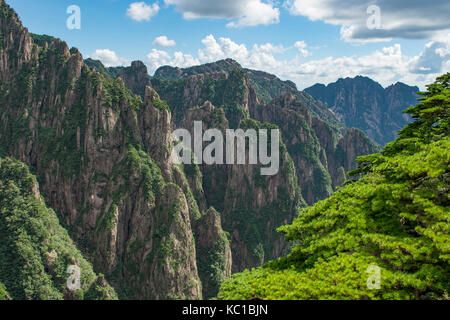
244 93
362 103
267 86
358 102
99 141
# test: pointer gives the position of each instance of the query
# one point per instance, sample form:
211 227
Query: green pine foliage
35 251
212 259
111 72
395 217
227 93
4 295
41 40
161 105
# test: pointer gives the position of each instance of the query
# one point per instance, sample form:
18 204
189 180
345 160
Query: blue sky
306 41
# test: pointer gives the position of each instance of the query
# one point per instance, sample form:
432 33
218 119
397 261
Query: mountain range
96 142
363 103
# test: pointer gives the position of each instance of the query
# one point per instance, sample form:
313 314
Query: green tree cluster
35 250
394 218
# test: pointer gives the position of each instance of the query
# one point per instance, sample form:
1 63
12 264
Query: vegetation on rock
396 217
35 250
99 141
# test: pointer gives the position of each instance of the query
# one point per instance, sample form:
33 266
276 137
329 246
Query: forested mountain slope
35 250
102 159
363 103
394 220
99 141
320 150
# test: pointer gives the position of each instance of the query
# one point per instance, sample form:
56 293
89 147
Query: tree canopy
395 217
35 250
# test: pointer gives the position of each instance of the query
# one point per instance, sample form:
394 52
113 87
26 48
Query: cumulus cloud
432 59
386 65
163 41
157 58
140 11
301 46
415 19
244 13
258 57
261 57
109 58
256 13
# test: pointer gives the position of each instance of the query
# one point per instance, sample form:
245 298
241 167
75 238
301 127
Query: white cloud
163 41
433 58
269 48
413 19
387 65
244 13
256 13
140 11
157 58
301 46
224 48
109 58
259 56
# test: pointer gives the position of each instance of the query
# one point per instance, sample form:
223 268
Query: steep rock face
102 156
136 77
252 206
295 122
228 99
266 86
399 97
310 140
231 91
314 145
213 253
357 102
214 177
364 104
255 206
35 250
353 142
341 160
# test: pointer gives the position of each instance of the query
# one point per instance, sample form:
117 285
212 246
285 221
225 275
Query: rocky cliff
364 104
311 141
252 205
36 252
266 86
99 141
102 157
135 77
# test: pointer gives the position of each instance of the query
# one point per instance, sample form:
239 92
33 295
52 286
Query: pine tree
384 236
